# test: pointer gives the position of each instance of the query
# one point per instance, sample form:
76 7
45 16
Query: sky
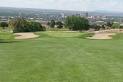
79 5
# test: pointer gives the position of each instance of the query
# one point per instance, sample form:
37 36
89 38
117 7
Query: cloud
83 5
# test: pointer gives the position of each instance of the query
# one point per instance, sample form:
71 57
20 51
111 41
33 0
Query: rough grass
64 59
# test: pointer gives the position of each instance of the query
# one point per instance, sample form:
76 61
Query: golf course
61 57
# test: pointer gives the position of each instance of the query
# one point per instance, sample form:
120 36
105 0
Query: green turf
6 37
64 59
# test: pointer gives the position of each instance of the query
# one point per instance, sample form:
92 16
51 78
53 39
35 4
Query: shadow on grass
84 36
7 41
51 35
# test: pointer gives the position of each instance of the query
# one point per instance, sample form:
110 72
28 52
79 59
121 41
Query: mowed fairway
67 58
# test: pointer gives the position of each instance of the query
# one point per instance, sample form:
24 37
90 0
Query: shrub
109 24
21 25
116 25
59 24
35 26
95 27
3 24
52 23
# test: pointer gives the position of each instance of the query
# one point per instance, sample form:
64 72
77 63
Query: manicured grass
62 59
59 34
119 36
6 37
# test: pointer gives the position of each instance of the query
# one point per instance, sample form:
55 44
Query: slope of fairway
55 59
6 37
59 34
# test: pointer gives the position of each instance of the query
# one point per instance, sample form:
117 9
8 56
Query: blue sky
82 5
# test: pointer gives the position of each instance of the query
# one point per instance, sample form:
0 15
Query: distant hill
8 11
107 13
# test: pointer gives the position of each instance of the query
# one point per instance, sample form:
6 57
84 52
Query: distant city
45 15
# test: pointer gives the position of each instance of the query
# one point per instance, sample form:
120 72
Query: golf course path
102 36
25 35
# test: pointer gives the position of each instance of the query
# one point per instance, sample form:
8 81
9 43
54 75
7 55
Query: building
4 19
86 14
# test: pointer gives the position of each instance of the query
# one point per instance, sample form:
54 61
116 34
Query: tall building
86 14
78 14
63 15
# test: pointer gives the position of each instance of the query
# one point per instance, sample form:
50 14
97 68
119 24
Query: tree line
77 23
73 23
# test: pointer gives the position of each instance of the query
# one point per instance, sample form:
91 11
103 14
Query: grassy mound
60 34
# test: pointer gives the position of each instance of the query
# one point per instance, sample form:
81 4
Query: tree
21 25
77 23
115 25
59 24
35 26
95 27
3 24
52 23
48 23
121 27
109 24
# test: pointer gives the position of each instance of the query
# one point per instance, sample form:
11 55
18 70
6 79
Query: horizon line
105 11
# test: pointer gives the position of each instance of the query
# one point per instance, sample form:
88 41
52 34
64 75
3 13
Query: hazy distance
78 5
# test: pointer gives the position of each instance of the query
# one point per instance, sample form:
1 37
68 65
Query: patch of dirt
25 35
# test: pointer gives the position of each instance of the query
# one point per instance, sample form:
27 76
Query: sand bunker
102 36
25 35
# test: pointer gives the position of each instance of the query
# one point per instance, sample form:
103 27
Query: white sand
25 35
102 36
